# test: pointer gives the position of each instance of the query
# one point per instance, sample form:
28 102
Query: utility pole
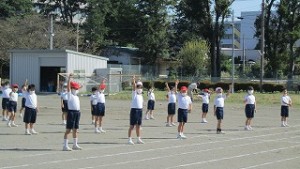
232 82
262 47
244 54
51 34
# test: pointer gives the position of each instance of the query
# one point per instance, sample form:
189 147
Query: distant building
226 41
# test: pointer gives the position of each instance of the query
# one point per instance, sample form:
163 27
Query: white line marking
271 162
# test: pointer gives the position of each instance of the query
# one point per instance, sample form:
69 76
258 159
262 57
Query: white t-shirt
171 97
205 98
6 91
285 100
64 95
94 99
73 102
31 100
151 96
249 99
183 102
219 100
14 96
100 97
137 100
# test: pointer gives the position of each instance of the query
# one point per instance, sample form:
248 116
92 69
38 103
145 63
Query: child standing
184 107
93 99
24 89
6 90
136 111
205 103
12 108
31 110
151 104
286 102
250 107
64 104
73 117
100 113
219 106
172 104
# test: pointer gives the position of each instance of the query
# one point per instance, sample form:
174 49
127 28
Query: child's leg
168 119
147 114
130 131
182 127
179 128
68 131
219 124
138 130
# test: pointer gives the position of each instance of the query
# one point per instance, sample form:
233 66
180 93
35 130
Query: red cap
14 86
75 85
183 88
206 90
102 86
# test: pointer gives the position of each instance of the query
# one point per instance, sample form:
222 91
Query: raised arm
176 85
133 83
229 91
69 82
167 86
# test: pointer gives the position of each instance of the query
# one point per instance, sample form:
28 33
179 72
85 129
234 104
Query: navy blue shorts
100 109
5 103
204 107
29 115
219 113
284 111
182 115
12 107
151 104
94 109
73 119
249 110
23 102
136 116
65 108
171 108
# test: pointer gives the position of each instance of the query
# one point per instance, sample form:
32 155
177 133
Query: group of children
70 105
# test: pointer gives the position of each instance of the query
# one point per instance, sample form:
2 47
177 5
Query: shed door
48 78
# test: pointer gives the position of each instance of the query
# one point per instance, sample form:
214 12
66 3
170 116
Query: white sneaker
76 147
102 131
178 136
67 148
246 128
173 124
14 125
250 128
283 125
130 142
203 121
152 117
4 119
286 125
33 131
140 141
146 118
27 132
183 136
97 130
8 124
168 125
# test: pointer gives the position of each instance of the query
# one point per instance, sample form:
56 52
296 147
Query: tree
205 19
10 8
194 57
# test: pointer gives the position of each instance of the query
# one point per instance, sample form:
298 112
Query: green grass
261 98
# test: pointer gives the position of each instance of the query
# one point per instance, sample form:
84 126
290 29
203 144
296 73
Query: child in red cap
100 113
184 107
73 116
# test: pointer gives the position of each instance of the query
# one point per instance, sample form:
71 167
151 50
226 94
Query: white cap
139 83
219 89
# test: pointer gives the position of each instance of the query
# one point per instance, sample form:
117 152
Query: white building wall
248 29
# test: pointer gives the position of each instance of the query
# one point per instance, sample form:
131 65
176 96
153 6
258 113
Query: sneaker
203 121
246 128
27 132
152 117
4 119
8 124
67 148
183 136
250 128
286 125
220 132
173 124
283 125
130 142
178 136
33 131
97 130
168 125
146 118
14 125
140 141
102 131
76 147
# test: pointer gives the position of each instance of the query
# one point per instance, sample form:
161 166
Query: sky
246 5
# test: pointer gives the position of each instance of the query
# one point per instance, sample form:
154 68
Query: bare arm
167 86
176 85
133 83
69 81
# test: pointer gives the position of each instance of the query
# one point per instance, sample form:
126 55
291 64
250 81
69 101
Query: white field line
271 162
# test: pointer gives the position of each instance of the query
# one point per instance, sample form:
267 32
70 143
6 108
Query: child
286 102
172 104
205 103
12 107
24 89
136 111
31 109
151 104
100 113
93 99
250 107
6 90
64 104
218 107
73 117
184 107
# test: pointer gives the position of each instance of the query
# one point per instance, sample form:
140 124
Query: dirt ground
268 146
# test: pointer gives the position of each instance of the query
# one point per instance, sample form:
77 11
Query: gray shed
41 67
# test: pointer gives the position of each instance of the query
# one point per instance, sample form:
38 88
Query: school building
41 67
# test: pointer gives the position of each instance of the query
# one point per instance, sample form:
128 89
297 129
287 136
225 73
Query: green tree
194 57
9 8
205 19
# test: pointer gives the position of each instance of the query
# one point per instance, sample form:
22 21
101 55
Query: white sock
66 141
75 141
